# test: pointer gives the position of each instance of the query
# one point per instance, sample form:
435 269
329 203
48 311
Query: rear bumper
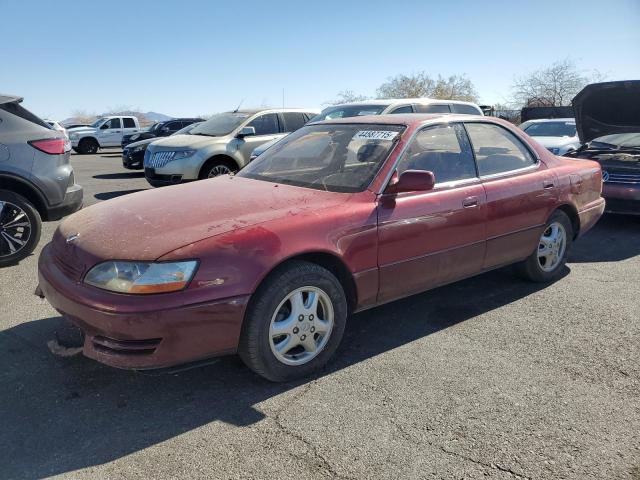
72 202
622 198
590 215
142 334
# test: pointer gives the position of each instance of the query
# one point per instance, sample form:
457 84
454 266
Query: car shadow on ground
614 238
115 193
64 414
120 175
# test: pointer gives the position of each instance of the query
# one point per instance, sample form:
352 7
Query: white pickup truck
104 132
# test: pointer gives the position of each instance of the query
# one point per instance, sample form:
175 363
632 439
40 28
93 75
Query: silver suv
36 180
222 144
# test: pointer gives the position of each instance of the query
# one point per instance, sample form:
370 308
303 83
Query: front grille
158 159
126 347
619 177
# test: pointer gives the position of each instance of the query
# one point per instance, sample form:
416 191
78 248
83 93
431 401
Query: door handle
470 202
548 184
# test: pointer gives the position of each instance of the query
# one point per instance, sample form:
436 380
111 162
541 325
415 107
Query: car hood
187 141
607 108
550 142
147 225
81 130
140 143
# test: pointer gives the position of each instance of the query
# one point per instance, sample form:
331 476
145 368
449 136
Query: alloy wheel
301 326
219 170
552 246
15 229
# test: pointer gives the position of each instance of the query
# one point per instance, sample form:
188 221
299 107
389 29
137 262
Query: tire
20 228
88 146
556 239
271 311
216 168
75 149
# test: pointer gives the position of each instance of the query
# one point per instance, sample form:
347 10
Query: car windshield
617 140
186 130
97 122
551 129
220 124
153 127
336 158
346 111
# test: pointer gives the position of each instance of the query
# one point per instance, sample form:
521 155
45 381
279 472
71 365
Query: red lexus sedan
338 217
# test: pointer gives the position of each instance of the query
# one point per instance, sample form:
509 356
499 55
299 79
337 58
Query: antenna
238 107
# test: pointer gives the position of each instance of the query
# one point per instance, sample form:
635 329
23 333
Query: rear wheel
294 323
88 146
20 228
550 256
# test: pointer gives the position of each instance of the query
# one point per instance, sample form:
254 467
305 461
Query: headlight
141 277
139 148
133 137
73 136
182 154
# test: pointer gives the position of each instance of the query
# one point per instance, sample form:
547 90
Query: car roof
393 101
253 111
407 119
9 98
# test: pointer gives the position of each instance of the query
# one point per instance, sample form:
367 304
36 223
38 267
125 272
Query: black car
133 153
160 129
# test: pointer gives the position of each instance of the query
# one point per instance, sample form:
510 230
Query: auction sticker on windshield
375 135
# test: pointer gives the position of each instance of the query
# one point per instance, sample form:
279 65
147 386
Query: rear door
520 191
431 238
129 126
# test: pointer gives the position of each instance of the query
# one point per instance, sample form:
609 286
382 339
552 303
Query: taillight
52 146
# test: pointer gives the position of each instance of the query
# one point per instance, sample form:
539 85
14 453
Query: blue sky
199 57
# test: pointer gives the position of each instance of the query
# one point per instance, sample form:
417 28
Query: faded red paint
241 229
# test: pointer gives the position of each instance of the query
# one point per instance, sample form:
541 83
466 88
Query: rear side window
466 109
293 121
433 108
265 124
19 111
497 150
403 109
443 150
129 123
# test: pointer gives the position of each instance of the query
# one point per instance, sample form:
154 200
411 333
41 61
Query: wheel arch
89 137
572 213
27 190
219 157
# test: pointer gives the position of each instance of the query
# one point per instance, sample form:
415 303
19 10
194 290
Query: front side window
336 158
265 124
443 150
497 150
433 108
112 123
129 123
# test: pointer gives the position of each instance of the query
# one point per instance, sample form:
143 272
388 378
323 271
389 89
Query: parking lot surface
490 377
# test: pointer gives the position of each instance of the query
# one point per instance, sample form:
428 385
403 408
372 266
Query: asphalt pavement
492 377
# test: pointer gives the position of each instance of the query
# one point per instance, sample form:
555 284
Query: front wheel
215 169
88 146
20 228
294 322
550 256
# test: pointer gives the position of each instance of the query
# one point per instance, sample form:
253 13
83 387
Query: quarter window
443 150
265 124
497 150
403 109
129 123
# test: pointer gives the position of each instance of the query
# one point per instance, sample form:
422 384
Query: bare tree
347 96
82 116
553 86
454 87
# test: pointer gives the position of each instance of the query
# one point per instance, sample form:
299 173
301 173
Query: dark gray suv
36 179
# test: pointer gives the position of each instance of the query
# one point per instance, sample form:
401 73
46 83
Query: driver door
426 239
267 128
110 133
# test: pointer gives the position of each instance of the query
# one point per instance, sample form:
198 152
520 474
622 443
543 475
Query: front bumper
132 160
72 202
142 332
159 180
622 198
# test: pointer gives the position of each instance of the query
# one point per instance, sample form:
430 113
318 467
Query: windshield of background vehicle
617 140
551 129
348 111
220 124
336 158
97 122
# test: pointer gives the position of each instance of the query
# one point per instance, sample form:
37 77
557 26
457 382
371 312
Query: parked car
381 107
133 153
56 126
36 180
608 123
76 125
339 217
558 135
104 132
160 129
219 146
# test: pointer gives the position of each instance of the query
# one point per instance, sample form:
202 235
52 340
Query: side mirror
246 132
411 181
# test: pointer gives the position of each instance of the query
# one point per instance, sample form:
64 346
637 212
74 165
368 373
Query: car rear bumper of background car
622 198
153 337
72 203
